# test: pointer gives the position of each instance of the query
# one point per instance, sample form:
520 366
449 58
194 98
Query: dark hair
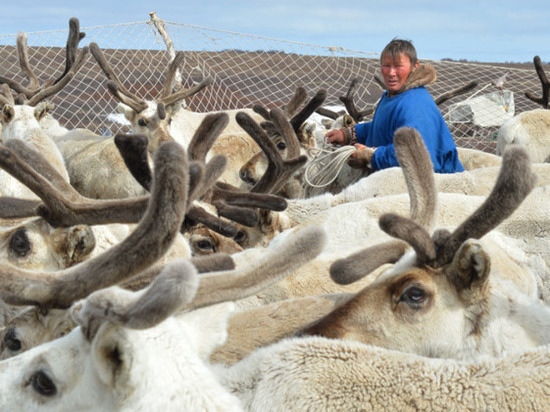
397 46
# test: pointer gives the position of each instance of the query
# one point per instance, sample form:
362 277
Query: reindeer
165 118
450 282
385 301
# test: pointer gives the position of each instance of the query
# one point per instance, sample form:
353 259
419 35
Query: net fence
247 70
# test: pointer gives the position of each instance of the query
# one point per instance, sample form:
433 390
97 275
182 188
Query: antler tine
331 114
348 100
183 94
262 111
236 197
16 208
23 52
514 182
411 232
171 74
544 100
417 168
206 134
356 266
61 82
299 96
136 102
145 245
287 132
277 263
315 102
239 206
196 215
74 37
6 97
456 92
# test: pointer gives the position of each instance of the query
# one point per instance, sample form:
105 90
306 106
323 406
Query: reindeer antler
147 243
545 85
34 93
123 95
417 167
514 183
231 203
349 102
278 169
456 92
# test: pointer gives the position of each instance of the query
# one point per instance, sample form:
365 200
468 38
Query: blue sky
485 31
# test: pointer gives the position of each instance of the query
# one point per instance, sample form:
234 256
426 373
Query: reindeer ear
8 113
469 271
348 121
42 109
111 351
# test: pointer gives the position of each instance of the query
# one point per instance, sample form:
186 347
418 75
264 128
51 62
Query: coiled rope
326 165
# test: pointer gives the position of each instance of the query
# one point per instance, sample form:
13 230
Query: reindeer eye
42 384
19 243
206 245
10 340
142 123
414 296
281 146
240 237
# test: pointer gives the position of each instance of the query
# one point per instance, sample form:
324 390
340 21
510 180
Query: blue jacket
413 108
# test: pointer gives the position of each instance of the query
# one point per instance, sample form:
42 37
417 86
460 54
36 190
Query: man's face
395 71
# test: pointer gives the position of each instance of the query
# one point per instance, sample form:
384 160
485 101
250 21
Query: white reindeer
164 118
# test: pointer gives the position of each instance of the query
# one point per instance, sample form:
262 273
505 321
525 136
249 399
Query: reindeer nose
248 176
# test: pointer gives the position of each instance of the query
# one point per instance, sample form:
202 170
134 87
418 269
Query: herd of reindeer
189 265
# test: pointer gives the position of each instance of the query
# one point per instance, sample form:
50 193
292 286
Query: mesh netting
247 70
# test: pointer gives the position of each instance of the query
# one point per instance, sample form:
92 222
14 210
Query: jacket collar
423 75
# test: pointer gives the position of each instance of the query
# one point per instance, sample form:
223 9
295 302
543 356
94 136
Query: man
406 102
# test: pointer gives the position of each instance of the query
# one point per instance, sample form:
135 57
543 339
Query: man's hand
335 136
361 158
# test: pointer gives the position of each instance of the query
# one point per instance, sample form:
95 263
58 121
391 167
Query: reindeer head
34 244
149 118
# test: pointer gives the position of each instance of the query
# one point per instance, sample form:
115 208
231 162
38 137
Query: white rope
326 164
